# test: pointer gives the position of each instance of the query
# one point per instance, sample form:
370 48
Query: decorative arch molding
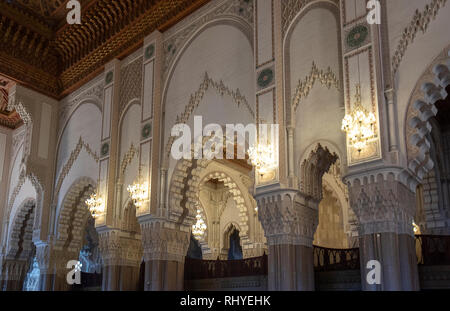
419 22
312 170
82 145
235 13
67 116
197 98
20 244
126 107
293 12
325 78
92 92
127 159
73 216
421 109
234 189
186 182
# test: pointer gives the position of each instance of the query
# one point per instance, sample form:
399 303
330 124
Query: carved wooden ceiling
10 119
40 50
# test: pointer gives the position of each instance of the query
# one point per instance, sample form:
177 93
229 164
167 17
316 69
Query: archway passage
235 251
433 212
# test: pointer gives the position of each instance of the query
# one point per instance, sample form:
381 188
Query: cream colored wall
224 52
419 54
86 123
319 116
331 230
130 134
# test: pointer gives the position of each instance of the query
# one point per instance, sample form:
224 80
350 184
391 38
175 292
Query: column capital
120 248
162 240
383 205
288 217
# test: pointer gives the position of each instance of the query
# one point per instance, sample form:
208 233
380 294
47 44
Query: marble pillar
165 249
122 255
385 208
289 220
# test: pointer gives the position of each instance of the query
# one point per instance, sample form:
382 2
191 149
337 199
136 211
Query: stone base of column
291 268
120 278
164 275
397 256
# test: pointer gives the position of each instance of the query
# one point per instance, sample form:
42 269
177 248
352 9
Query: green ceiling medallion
109 77
265 78
150 51
357 36
105 149
146 131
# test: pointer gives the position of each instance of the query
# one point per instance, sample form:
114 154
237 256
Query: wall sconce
359 124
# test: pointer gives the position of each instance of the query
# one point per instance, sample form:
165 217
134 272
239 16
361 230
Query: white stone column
122 256
165 249
385 208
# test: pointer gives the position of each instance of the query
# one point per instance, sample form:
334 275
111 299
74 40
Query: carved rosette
288 217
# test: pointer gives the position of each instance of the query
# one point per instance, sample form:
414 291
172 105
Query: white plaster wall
319 116
226 54
86 123
130 134
420 54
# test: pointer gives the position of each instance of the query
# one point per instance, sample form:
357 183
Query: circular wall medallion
109 77
265 78
149 51
105 149
357 36
146 131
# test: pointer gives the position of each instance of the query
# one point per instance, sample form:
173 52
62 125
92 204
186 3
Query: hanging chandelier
139 191
198 230
96 205
263 158
359 124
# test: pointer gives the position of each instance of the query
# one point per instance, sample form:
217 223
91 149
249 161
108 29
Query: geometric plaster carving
73 157
312 170
303 89
419 22
127 158
197 97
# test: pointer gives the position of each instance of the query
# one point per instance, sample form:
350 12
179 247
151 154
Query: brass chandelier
359 124
262 157
96 205
199 229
